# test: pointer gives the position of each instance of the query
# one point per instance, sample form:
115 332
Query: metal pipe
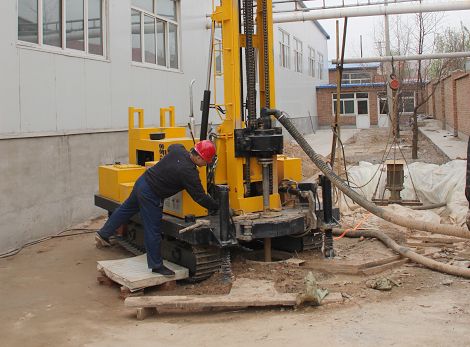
376 10
404 58
207 93
265 185
339 6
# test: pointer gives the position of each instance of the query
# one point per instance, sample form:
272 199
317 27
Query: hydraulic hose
408 253
443 229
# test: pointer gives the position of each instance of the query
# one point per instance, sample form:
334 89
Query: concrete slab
321 140
452 147
134 274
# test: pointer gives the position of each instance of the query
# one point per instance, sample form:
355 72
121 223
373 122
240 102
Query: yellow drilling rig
249 176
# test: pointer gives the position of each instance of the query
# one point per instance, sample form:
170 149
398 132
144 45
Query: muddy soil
50 295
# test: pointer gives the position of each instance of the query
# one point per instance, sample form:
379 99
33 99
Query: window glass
149 37
166 8
362 95
95 27
161 39
136 44
74 29
349 106
28 20
143 4
173 45
408 104
362 107
52 25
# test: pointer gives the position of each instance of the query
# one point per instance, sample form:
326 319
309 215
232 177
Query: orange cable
357 227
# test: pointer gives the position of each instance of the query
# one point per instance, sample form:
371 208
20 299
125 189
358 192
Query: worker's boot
101 241
163 270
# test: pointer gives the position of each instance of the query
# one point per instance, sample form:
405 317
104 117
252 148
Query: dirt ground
50 295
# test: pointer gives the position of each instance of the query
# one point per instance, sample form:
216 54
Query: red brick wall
463 104
451 101
325 107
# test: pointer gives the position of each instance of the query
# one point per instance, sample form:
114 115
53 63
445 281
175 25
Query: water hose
408 253
444 229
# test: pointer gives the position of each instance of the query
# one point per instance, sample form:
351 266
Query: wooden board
245 293
134 274
353 268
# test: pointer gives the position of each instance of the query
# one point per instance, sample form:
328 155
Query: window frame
167 21
311 62
348 77
63 49
284 49
298 54
356 99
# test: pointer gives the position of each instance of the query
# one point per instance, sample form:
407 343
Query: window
155 33
284 45
320 66
406 102
311 62
69 25
298 55
356 77
352 104
383 103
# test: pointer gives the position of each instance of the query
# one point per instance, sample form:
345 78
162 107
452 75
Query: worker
174 172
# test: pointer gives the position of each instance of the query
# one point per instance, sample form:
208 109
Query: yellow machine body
229 167
147 145
116 181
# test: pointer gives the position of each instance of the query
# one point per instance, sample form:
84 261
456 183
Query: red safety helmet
206 150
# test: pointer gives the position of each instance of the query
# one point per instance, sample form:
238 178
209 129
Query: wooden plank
438 239
378 269
244 293
134 274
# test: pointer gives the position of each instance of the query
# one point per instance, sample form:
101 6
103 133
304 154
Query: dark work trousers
145 201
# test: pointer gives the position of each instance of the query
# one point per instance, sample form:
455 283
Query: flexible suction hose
408 253
443 229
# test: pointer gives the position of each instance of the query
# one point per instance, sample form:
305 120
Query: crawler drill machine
250 176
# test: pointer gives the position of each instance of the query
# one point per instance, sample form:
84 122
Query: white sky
366 26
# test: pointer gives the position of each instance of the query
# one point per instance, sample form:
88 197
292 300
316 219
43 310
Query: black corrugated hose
444 229
450 230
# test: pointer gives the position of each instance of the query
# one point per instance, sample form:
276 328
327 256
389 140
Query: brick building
363 101
450 102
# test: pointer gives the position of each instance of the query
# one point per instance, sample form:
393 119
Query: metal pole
388 71
389 58
376 10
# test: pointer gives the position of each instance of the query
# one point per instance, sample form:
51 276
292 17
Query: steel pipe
376 10
404 58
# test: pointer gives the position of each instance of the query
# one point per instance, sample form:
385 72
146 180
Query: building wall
454 93
325 105
64 115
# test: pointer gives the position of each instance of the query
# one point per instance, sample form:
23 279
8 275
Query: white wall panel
70 92
120 55
9 69
37 91
98 96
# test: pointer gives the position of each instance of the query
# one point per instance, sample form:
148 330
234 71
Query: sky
369 26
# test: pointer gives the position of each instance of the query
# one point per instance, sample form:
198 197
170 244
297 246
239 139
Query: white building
66 88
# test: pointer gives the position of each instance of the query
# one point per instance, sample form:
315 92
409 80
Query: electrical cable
31 243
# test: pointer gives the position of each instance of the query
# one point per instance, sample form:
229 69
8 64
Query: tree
451 40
